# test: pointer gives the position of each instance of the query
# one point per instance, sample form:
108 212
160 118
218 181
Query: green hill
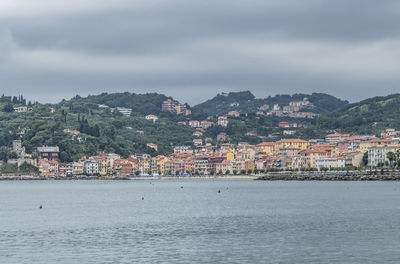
367 116
102 129
245 102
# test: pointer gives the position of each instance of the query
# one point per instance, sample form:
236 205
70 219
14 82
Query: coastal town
204 155
335 151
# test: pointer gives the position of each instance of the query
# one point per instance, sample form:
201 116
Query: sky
192 50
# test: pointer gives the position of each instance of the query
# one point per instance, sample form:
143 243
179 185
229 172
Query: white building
223 121
197 142
183 149
378 154
330 162
22 109
124 111
153 118
194 123
91 167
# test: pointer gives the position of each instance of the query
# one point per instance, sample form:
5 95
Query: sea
199 221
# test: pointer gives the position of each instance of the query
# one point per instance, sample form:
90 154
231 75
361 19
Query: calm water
248 222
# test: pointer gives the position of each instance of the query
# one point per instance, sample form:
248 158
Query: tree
391 157
8 108
13 155
365 158
28 168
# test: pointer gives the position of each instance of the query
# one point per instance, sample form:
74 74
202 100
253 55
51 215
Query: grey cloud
194 49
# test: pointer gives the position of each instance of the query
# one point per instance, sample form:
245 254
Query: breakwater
332 176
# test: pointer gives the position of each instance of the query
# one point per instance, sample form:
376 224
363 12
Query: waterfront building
309 156
91 167
378 154
330 162
77 168
65 169
102 163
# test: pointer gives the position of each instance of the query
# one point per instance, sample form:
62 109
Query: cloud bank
191 50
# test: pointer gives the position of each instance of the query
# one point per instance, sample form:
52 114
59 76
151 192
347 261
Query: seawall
332 176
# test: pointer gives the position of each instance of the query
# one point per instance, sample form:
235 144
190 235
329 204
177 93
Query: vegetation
370 116
223 103
103 128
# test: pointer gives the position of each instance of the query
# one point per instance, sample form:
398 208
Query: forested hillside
101 128
367 116
245 102
83 126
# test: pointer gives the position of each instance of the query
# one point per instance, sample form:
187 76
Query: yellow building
178 109
144 166
103 166
230 155
249 165
291 143
266 147
161 163
364 145
154 166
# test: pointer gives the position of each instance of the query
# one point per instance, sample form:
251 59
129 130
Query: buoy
142 198
219 191
40 207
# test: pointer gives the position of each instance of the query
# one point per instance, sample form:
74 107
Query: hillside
99 125
149 103
245 102
367 116
101 129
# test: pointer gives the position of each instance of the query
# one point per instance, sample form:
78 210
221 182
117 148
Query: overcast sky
193 49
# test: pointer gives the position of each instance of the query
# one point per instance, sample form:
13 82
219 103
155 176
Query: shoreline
277 176
122 178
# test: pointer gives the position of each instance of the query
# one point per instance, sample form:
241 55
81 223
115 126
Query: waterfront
248 222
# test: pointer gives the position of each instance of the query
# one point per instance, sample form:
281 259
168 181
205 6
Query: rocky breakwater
332 176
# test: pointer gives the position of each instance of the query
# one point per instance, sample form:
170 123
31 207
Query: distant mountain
368 116
245 102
